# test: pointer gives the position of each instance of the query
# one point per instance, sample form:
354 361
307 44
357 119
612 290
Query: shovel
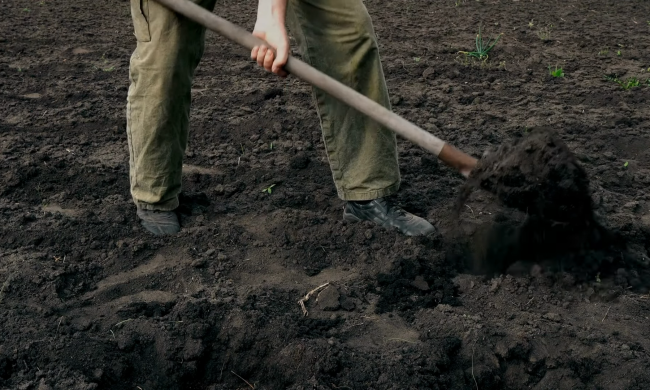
451 156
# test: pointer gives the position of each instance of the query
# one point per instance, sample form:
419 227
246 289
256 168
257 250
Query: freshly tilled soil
88 300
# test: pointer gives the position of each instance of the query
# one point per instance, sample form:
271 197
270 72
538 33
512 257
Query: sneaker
160 223
388 215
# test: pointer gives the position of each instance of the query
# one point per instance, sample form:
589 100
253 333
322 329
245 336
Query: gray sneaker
388 215
160 223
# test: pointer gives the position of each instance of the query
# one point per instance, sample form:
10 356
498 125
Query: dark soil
88 300
537 174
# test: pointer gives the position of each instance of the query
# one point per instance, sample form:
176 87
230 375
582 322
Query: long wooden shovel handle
445 152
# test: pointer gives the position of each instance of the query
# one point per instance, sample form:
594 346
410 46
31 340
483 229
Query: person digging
335 36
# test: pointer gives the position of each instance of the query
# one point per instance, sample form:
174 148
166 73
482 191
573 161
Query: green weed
558 72
269 189
603 52
618 53
629 83
482 47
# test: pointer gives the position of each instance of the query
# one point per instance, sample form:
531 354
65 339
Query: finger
268 60
261 54
254 52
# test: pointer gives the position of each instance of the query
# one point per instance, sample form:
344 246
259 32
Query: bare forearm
275 10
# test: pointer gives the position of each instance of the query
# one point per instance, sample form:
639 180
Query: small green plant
482 47
557 72
416 59
626 164
26 10
271 146
545 33
269 189
618 53
626 84
603 52
531 24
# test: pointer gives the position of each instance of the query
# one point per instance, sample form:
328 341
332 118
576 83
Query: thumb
281 57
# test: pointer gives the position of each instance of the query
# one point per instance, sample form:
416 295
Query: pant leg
337 38
169 48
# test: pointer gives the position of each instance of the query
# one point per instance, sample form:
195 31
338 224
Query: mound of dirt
553 222
536 174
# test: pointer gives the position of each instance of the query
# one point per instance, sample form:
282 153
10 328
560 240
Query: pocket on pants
140 15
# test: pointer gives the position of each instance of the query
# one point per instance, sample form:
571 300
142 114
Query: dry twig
607 312
306 298
251 386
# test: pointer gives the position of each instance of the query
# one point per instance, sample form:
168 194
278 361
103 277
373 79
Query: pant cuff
368 195
169 205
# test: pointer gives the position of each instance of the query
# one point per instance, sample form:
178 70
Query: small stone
44 386
199 263
328 299
368 234
98 373
428 73
552 317
218 189
495 285
625 347
420 283
222 257
209 252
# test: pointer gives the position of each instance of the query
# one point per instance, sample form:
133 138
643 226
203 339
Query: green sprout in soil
269 189
482 47
603 52
626 164
416 59
531 24
618 53
271 146
558 72
628 83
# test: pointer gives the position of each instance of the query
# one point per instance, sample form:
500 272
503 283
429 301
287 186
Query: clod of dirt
328 299
538 175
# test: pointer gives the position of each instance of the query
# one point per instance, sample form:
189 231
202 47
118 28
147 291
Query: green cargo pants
335 36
